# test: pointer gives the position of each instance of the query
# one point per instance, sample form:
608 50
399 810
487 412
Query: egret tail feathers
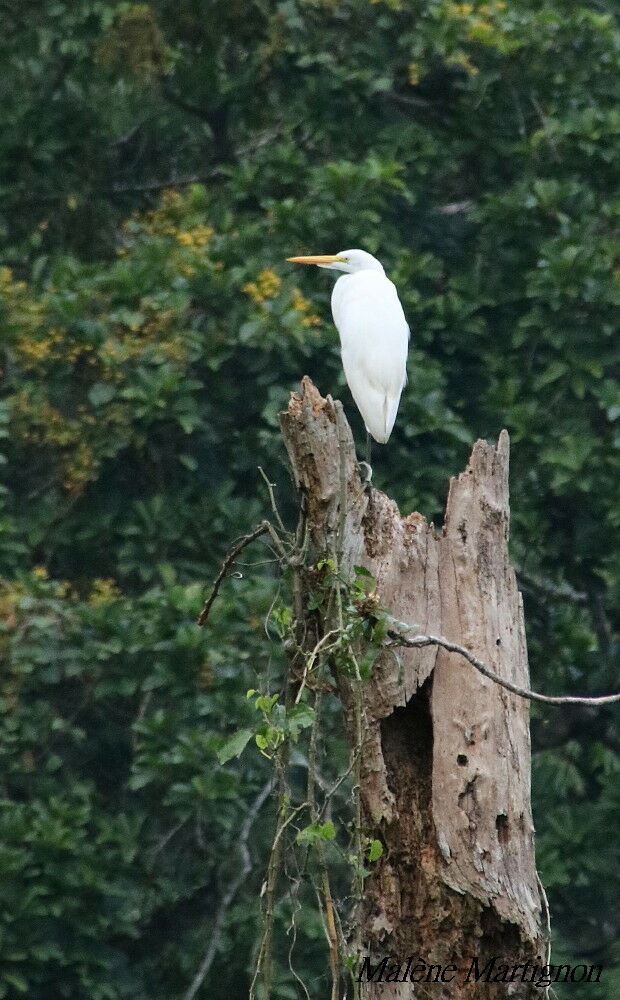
381 426
378 407
392 404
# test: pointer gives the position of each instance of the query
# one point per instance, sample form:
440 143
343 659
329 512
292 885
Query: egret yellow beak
330 258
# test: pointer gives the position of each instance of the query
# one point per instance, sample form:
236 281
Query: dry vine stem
234 552
419 641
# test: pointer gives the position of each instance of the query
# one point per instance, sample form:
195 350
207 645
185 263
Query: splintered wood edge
312 426
310 419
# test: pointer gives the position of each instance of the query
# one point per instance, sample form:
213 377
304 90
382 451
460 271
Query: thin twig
332 933
262 529
289 819
547 916
325 892
167 837
265 957
358 875
277 542
437 640
296 562
272 500
355 754
295 908
342 476
563 591
231 890
309 664
263 962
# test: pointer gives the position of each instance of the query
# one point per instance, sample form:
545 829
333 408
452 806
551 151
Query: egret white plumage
374 335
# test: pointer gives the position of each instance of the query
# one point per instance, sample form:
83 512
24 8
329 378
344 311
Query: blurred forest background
158 161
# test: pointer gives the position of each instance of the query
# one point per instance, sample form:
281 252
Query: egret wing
374 338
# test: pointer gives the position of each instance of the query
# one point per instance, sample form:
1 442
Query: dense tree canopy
159 161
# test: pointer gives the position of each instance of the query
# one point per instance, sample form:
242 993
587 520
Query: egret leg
365 466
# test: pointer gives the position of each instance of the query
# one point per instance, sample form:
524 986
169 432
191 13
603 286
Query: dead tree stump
445 782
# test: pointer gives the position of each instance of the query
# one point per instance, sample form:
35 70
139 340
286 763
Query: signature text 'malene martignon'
495 970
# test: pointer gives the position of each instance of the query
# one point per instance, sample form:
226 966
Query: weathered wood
446 763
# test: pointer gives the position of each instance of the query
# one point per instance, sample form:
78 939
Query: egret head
345 260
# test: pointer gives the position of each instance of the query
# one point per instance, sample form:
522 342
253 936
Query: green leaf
314 600
137 781
553 372
298 718
265 703
16 980
101 393
234 745
375 850
368 660
315 832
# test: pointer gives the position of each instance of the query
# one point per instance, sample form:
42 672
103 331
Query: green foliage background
159 161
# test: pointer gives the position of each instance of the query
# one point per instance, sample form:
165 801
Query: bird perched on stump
374 336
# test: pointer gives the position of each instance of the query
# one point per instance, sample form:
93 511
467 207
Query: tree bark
445 782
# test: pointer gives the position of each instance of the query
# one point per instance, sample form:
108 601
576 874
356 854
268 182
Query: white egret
374 336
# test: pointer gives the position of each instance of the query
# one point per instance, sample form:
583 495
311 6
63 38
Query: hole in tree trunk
503 831
407 747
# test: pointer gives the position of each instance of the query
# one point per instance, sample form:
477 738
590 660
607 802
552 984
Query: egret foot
365 473
365 467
